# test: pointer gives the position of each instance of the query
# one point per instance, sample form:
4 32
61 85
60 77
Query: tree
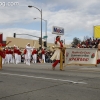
75 41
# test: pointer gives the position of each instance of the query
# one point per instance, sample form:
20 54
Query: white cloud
18 31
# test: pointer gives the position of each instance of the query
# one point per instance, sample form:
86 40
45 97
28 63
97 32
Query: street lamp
41 20
45 26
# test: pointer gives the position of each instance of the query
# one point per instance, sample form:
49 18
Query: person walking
56 55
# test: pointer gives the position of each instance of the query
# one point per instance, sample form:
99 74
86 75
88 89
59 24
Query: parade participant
10 55
98 58
16 54
28 54
56 55
19 55
43 55
1 52
34 55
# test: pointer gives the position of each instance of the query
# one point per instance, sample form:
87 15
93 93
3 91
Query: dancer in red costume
34 55
2 54
56 55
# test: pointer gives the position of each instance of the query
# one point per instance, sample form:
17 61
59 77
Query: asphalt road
40 82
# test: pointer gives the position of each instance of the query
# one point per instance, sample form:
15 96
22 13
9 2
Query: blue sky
77 17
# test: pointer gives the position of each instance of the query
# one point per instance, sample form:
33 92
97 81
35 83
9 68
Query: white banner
81 56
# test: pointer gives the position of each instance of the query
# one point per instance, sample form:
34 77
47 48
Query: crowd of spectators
88 43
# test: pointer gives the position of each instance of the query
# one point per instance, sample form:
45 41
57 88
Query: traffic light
45 44
40 41
14 35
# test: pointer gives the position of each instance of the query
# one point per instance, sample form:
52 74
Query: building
23 42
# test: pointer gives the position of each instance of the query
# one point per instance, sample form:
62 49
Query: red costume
7 51
15 50
2 53
25 51
2 45
43 51
11 52
19 52
34 52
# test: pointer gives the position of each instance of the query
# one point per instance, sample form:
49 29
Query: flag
97 31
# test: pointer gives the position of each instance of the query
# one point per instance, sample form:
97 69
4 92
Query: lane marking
74 82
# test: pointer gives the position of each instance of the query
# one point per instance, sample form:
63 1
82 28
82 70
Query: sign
58 30
81 56
45 37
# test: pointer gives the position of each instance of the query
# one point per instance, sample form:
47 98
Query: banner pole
0 62
96 58
61 60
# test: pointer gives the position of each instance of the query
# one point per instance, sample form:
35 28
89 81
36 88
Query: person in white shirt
28 53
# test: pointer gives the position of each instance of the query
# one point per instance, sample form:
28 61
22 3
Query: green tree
75 41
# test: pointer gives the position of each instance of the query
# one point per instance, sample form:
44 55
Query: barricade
81 56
